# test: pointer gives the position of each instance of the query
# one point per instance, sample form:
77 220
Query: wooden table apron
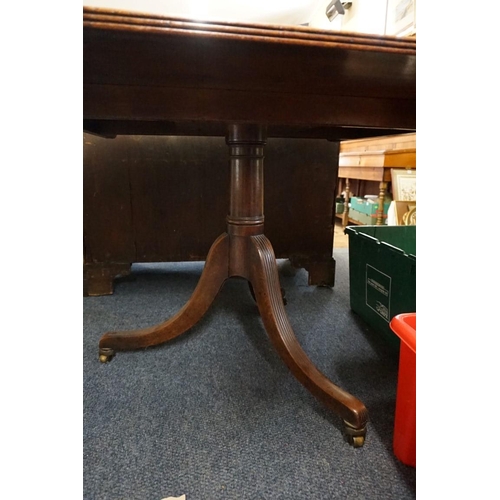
145 74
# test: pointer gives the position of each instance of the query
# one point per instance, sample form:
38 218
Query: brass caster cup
355 436
106 355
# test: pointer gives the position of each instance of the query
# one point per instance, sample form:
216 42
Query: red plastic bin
405 422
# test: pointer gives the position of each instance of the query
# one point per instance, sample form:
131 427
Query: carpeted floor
215 414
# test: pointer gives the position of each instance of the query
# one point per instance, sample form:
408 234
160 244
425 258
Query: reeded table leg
213 277
265 282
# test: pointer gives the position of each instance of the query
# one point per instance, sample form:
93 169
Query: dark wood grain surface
158 75
165 199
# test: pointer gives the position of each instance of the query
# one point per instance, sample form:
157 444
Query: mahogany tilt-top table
150 74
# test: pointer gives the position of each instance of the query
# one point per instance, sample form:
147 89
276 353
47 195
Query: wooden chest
160 199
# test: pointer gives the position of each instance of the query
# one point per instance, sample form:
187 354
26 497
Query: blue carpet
215 414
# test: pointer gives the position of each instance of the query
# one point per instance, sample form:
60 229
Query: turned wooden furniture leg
213 277
345 215
381 200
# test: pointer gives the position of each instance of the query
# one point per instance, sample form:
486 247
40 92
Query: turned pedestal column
243 251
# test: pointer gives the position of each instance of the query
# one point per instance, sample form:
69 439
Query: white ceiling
291 12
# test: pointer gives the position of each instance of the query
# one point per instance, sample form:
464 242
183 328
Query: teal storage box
382 274
367 207
365 219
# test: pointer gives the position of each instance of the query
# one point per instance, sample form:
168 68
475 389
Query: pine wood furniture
157 75
372 165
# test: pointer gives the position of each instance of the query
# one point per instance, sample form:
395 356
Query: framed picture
400 19
404 184
405 213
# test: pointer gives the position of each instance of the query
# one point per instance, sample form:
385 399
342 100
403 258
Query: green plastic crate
382 274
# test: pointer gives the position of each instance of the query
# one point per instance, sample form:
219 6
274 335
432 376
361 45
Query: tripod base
245 252
255 262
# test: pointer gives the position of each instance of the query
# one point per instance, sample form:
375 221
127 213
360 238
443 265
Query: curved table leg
283 293
214 274
265 282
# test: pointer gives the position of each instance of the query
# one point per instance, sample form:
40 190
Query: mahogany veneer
147 74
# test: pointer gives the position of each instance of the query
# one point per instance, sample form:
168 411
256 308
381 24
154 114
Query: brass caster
355 436
106 354
357 441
